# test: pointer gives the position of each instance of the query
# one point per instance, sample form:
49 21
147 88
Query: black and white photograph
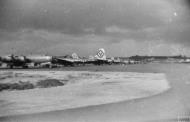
94 60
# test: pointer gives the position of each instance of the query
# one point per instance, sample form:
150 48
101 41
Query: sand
83 88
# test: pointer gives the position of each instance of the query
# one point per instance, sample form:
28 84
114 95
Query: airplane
184 60
99 58
15 61
40 60
24 61
67 60
118 61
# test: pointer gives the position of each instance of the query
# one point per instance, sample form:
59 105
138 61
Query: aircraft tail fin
101 55
75 56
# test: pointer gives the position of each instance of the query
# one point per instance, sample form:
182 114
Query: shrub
24 85
27 85
16 86
4 86
49 83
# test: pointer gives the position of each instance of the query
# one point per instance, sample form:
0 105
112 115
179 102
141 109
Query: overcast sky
122 27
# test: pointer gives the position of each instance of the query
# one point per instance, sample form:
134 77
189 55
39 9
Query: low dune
81 88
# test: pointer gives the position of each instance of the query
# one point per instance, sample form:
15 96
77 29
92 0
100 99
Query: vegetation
16 86
27 85
49 83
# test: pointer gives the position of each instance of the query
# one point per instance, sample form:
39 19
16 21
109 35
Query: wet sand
168 106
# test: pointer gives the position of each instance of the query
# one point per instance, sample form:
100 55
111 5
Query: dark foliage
16 86
49 83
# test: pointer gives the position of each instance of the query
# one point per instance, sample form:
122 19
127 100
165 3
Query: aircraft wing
97 62
65 61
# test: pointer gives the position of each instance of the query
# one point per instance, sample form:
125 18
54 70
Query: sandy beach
83 88
138 95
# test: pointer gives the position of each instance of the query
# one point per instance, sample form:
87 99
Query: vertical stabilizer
101 55
75 56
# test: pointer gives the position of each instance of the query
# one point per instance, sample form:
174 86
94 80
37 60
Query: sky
122 27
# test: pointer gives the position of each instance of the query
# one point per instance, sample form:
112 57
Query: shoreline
96 92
